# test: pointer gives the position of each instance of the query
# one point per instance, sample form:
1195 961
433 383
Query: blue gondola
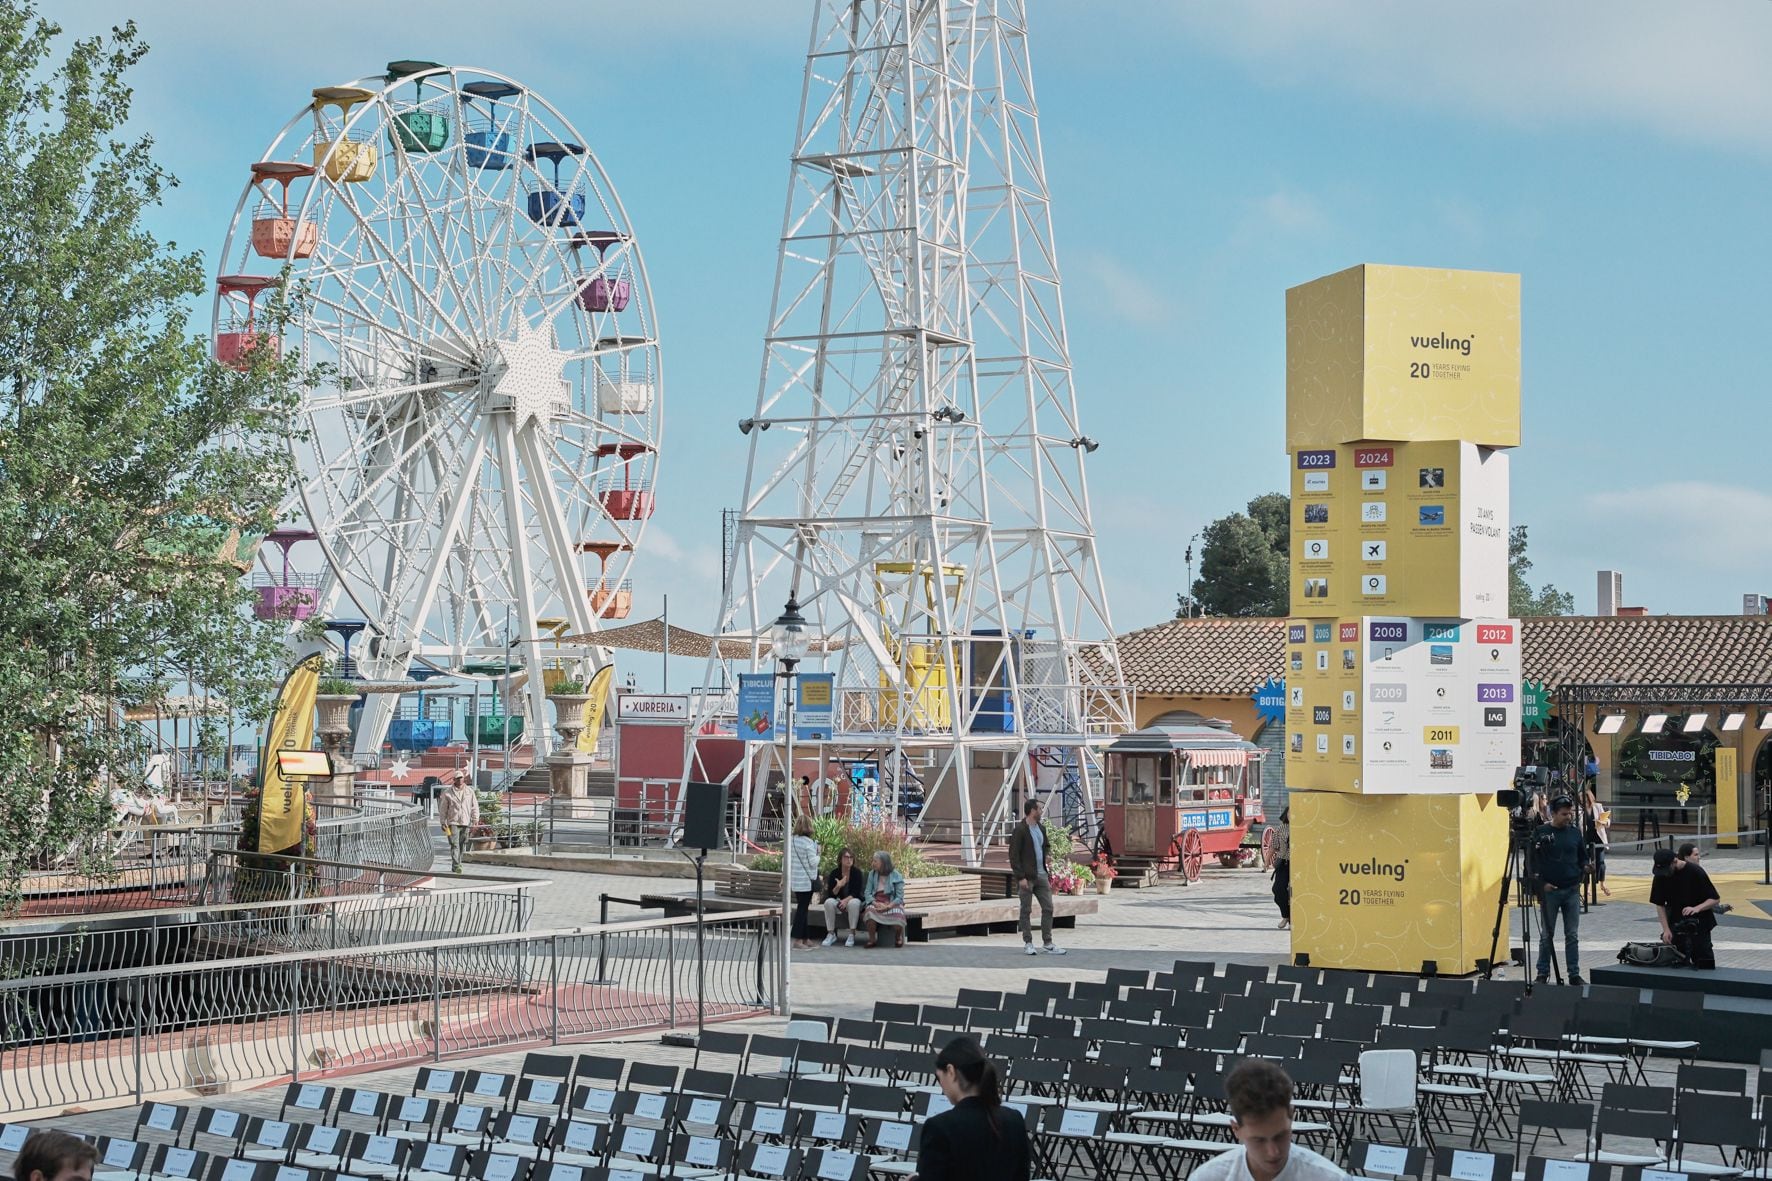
487 142
552 204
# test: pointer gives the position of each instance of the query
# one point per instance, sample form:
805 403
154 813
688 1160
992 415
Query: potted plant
1105 873
334 700
569 696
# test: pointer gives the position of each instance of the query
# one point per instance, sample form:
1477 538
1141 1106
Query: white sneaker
1029 948
831 940
849 942
1051 949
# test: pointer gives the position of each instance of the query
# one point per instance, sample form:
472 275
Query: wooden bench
994 881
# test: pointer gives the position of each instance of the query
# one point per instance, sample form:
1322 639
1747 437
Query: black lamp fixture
747 425
1085 442
951 414
789 638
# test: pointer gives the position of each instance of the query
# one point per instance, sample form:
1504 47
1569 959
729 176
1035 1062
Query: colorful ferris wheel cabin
549 203
612 600
631 499
275 234
419 129
487 141
602 292
289 596
239 341
346 155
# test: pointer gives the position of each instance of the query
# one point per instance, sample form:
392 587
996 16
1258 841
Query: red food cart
1180 789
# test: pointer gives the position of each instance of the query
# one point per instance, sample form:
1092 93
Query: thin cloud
1691 72
1691 525
1128 294
1292 212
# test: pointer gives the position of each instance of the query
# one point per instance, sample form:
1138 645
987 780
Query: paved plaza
1227 916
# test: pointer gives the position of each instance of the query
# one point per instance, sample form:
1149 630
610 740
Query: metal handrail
126 1033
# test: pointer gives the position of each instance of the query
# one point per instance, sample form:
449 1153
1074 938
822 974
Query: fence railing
167 864
212 1027
232 926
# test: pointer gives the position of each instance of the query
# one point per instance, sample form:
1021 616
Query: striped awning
1217 758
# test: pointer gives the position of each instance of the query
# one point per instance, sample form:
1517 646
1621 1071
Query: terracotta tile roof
1204 657
1648 649
1229 657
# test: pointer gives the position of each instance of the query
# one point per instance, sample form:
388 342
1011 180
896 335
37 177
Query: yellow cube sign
1399 529
1384 884
1403 353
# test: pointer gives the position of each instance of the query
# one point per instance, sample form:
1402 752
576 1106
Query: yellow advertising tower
1402 674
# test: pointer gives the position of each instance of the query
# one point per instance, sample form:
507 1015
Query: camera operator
1685 901
1557 859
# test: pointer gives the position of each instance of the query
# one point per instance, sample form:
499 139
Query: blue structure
989 686
550 205
487 143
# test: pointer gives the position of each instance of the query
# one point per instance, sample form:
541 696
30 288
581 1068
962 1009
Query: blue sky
1203 158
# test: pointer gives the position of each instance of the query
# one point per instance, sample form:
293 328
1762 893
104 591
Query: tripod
1516 870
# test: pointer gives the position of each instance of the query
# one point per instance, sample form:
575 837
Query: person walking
801 866
1283 867
1599 837
458 808
1259 1095
845 890
977 1139
1030 862
1557 855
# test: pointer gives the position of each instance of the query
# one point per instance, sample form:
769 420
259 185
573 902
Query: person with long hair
845 892
977 1139
1283 867
885 900
801 866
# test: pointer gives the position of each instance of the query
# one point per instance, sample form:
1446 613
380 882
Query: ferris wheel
477 460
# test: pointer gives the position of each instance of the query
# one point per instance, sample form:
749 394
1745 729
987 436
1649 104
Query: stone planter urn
569 716
1103 885
334 710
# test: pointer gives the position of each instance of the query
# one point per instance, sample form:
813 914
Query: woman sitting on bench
886 900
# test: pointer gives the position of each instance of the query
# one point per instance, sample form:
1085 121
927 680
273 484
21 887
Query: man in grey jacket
1029 861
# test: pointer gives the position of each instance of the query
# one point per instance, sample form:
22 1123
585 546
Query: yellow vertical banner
1728 795
595 708
282 802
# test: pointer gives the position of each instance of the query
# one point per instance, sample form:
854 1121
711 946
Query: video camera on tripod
1529 784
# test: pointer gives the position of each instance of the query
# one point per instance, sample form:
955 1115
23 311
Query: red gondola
1182 773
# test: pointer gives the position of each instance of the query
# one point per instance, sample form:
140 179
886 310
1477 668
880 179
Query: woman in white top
801 866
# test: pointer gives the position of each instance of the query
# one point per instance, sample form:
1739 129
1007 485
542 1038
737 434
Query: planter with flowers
1105 873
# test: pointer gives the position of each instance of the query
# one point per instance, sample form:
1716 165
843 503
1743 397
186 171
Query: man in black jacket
1029 861
1685 901
1558 855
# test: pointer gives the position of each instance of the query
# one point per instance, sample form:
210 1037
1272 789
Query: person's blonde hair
802 825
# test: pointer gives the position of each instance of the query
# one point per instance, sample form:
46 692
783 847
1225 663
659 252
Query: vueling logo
1458 344
1375 869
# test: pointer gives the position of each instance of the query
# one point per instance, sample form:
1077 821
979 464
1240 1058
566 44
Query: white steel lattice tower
875 458
1035 444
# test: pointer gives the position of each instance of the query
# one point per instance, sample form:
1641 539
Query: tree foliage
1522 600
130 462
1244 561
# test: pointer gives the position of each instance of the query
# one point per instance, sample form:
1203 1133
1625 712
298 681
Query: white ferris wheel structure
476 461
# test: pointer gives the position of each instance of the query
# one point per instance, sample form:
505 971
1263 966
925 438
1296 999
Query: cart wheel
1269 839
1192 854
1227 860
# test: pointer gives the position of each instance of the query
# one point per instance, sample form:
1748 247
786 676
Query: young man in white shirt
1260 1095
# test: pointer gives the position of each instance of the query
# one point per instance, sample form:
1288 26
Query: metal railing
215 1026
233 927
167 865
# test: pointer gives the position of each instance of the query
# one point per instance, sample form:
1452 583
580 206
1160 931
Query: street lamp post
789 641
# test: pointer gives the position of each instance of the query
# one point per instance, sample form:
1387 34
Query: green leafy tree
1522 600
134 470
1244 560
